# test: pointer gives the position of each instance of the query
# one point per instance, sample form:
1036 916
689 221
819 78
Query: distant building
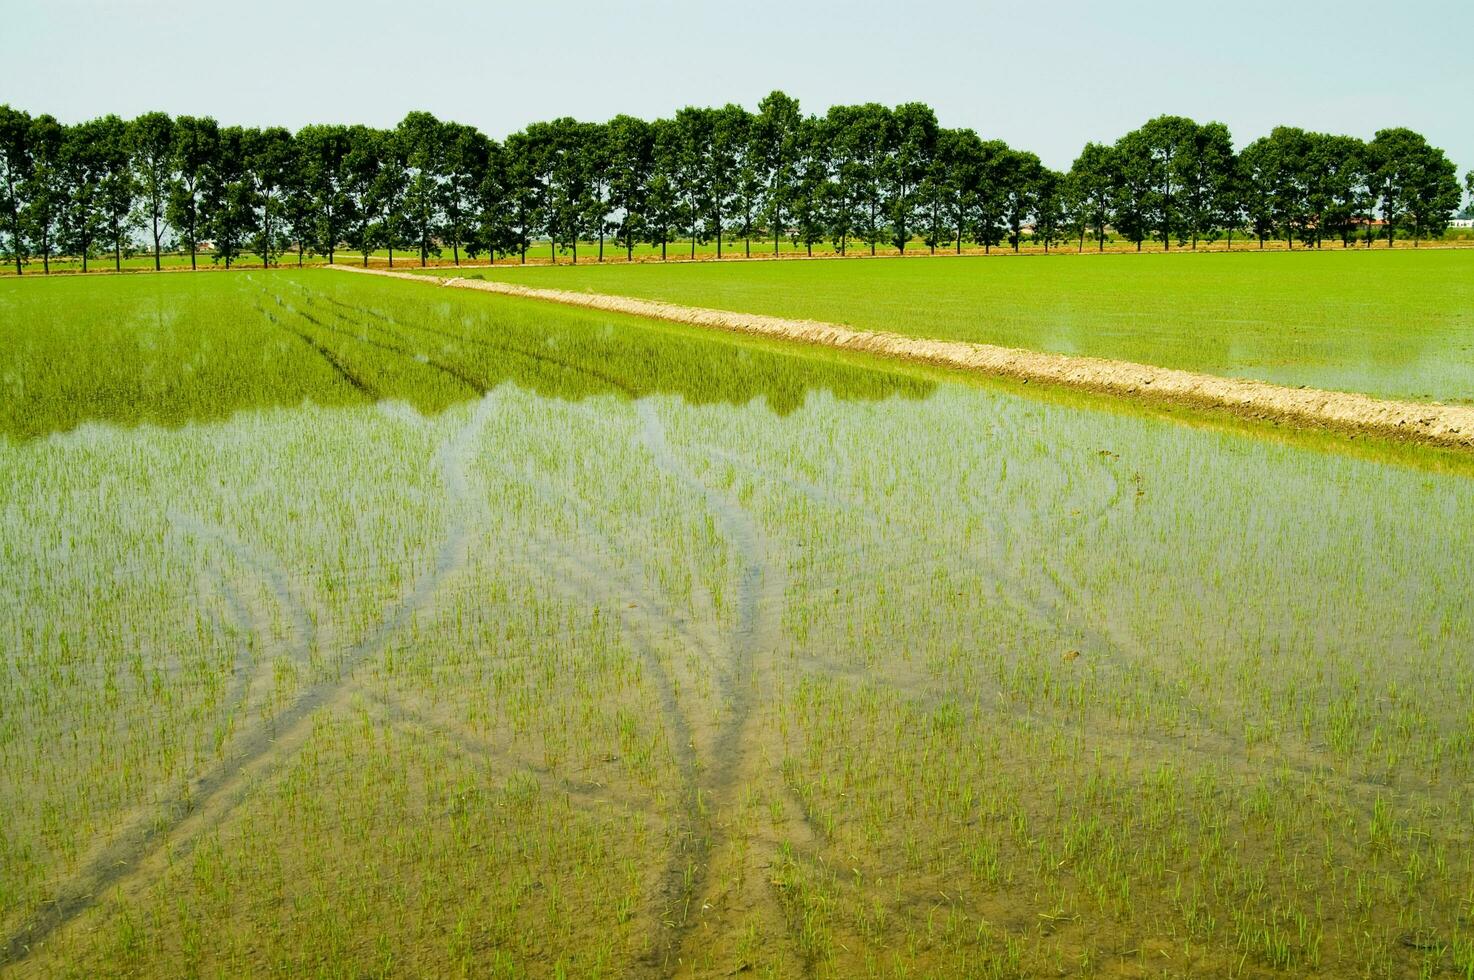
1465 220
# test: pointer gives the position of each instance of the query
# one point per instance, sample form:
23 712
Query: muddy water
630 683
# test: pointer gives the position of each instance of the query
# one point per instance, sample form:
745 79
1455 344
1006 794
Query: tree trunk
601 242
455 250
1167 210
156 239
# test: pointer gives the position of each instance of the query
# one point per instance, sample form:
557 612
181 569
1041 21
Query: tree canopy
866 174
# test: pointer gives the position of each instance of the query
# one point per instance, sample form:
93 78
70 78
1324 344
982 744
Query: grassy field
1398 324
354 628
542 253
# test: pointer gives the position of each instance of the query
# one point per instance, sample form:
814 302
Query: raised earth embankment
1433 423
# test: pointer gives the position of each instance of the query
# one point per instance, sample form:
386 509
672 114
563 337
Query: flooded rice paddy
454 635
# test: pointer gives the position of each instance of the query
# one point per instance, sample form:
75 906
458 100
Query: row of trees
857 176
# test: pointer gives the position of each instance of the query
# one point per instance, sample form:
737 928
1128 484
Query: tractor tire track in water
267 569
268 573
761 583
496 345
648 625
475 385
353 380
638 580
575 574
219 790
592 584
242 622
414 724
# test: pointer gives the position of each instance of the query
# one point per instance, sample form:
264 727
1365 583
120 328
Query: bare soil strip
1437 424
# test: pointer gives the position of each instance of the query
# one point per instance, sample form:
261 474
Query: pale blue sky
1046 77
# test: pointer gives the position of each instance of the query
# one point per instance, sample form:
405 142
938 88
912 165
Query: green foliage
151 155
1092 181
15 168
196 155
1420 188
869 173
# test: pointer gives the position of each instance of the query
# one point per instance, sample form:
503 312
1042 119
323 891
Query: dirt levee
1446 425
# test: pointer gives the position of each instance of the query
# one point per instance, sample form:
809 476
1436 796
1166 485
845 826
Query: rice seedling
1395 325
387 630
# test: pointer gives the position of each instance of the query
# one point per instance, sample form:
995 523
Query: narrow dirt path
1436 424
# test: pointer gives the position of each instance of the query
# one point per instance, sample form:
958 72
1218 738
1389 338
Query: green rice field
1396 324
351 627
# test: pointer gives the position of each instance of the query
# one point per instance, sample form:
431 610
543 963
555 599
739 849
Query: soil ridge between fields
1426 422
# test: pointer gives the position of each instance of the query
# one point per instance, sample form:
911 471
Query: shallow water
904 676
